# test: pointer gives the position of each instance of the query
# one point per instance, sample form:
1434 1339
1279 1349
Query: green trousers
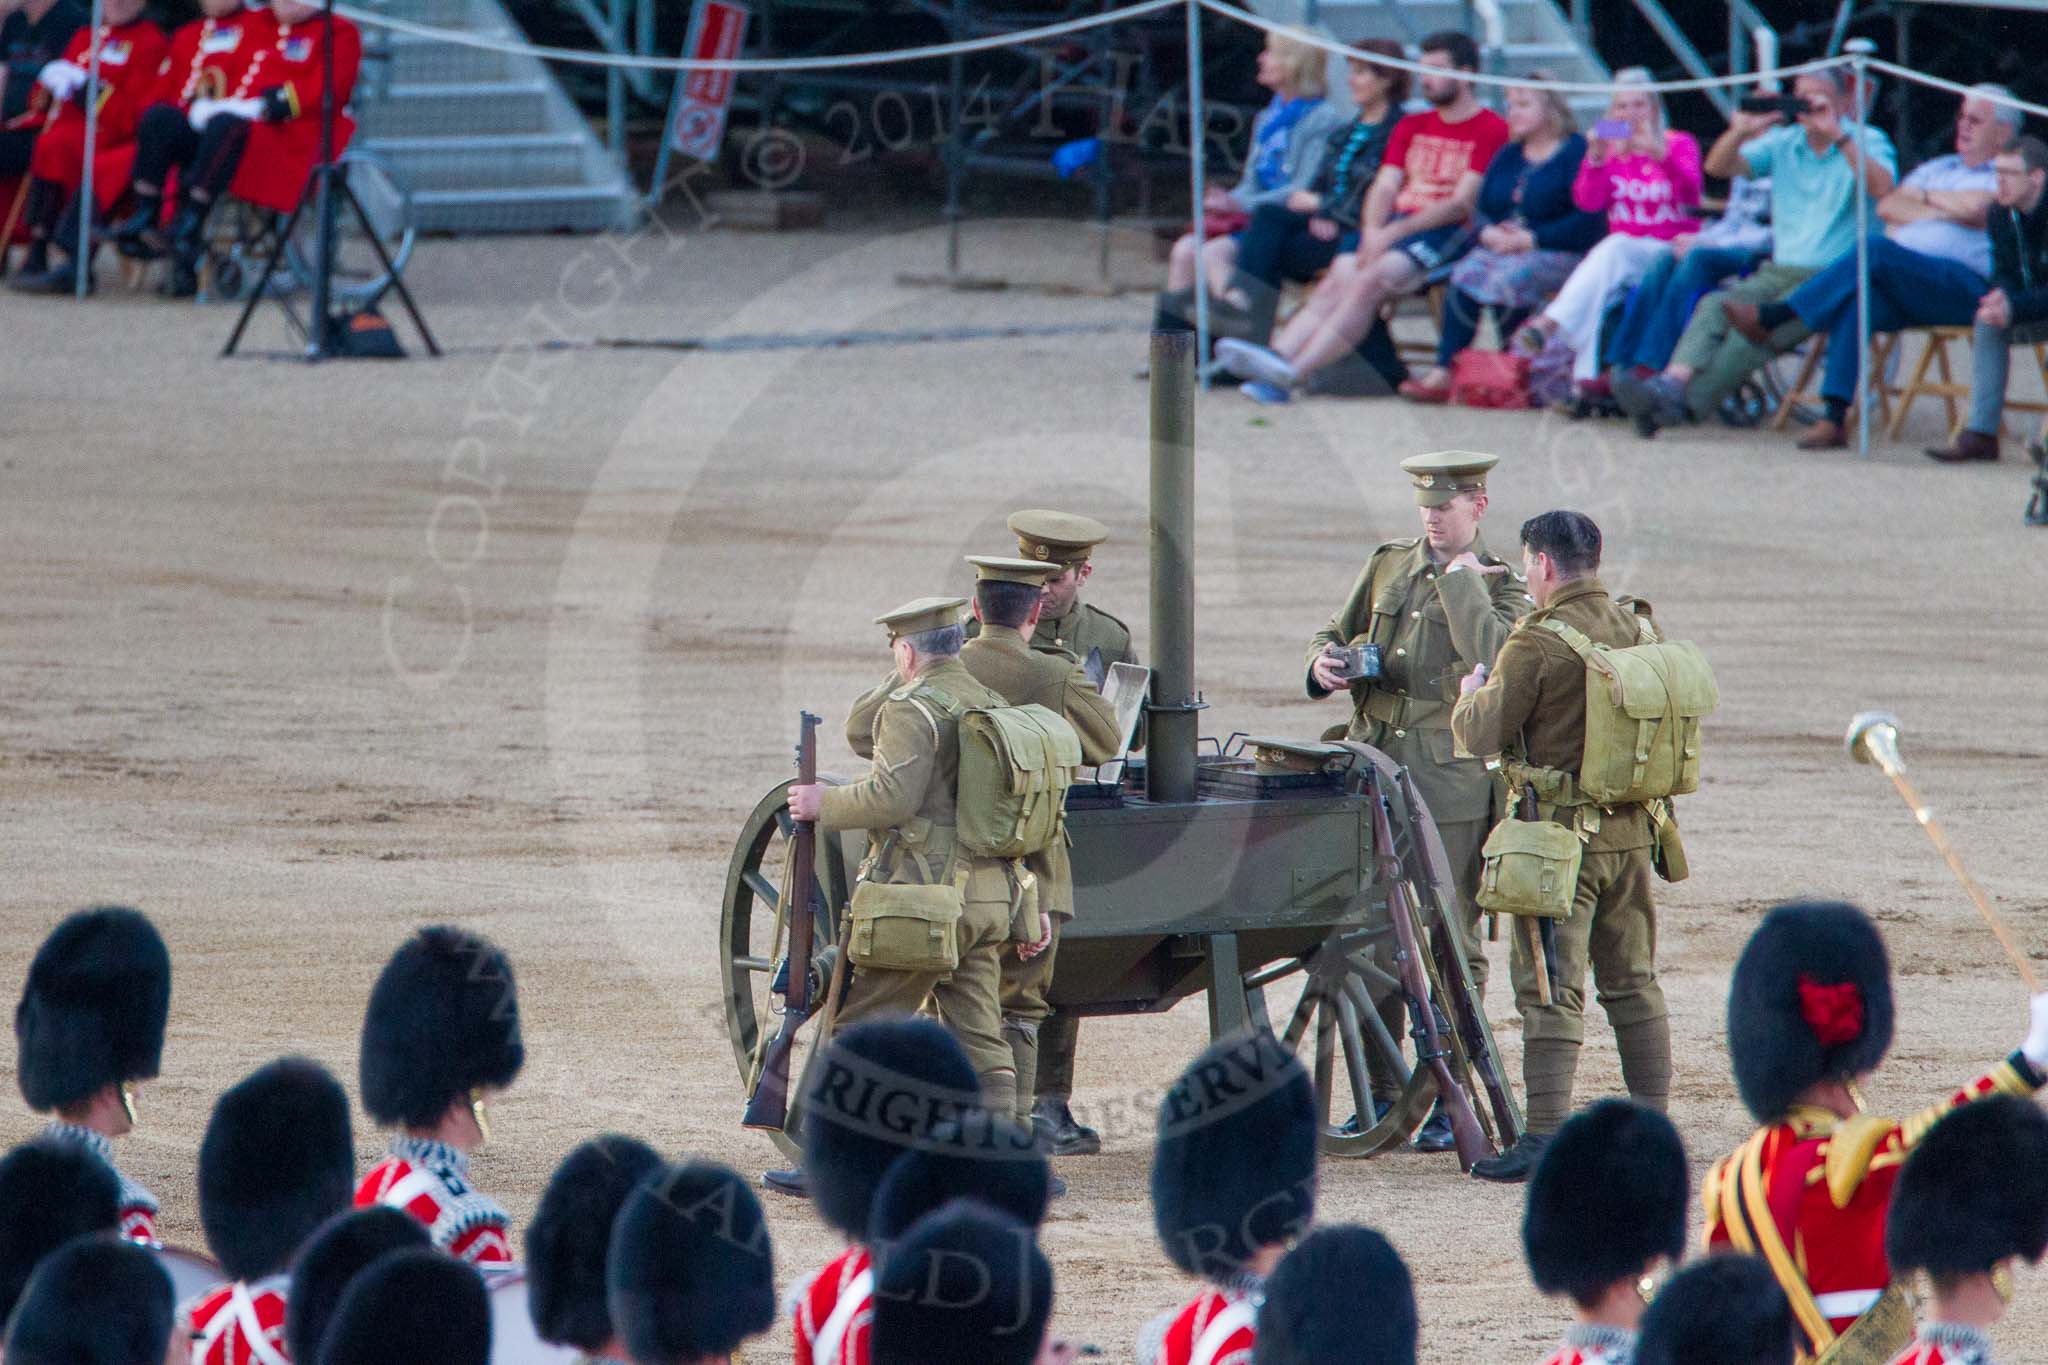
1025 983
1613 929
1721 357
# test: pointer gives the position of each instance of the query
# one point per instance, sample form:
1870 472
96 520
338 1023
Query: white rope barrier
1907 73
839 61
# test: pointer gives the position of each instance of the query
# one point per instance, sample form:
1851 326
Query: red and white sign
697 126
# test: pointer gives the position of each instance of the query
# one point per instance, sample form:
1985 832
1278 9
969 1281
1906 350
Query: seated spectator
1289 139
1647 183
97 1301
1814 164
1928 272
1344 1294
1297 238
1972 1200
130 49
2017 226
1720 1311
1662 301
1533 233
33 33
1417 219
964 1286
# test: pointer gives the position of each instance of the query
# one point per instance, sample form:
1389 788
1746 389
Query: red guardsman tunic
281 154
1216 1328
430 1181
1823 1184
240 1324
1946 1343
130 57
835 1311
1587 1343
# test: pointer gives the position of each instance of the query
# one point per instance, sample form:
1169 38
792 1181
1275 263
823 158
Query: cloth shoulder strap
1746 1213
1235 1317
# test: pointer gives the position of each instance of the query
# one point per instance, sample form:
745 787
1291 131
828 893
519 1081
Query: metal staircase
1532 34
482 141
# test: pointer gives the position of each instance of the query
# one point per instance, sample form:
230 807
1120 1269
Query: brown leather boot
1968 445
1824 435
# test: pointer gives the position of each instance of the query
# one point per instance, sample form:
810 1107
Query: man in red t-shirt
1417 218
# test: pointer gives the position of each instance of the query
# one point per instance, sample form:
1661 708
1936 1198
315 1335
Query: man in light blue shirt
1813 164
1929 272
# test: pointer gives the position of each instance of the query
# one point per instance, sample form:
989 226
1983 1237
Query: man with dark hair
1417 217
1606 1208
440 1040
1531 710
907 804
1434 605
2018 299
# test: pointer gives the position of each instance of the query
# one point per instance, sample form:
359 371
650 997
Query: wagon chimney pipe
1173 714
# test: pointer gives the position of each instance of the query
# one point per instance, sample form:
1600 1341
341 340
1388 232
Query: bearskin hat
690 1273
1974 1191
1716 1310
874 1092
94 1301
1234 1167
443 1020
343 1248
966 1285
571 1234
1343 1294
50 1192
987 1158
1608 1197
92 1012
1811 1000
277 1161
411 1306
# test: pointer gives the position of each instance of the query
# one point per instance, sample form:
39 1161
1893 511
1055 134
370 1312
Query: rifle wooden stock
1542 933
1465 1011
1430 1047
768 1105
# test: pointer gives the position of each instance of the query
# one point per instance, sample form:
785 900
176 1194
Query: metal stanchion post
83 260
1198 132
1868 380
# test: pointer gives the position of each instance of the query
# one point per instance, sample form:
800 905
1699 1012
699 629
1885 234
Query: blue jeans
1907 289
1663 302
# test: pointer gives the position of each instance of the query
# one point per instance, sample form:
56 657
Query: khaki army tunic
1533 707
1084 628
906 803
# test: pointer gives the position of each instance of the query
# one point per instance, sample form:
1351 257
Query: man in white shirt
1928 271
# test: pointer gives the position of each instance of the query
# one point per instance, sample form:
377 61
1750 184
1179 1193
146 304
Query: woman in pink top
1648 180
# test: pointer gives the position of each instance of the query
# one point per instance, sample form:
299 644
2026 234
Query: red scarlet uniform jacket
835 1311
1821 1185
130 57
240 1324
430 1181
1216 1328
280 155
205 61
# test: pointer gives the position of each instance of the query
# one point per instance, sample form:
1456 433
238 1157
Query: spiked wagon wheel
752 938
1329 995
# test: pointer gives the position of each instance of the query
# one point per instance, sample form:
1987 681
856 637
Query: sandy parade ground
297 659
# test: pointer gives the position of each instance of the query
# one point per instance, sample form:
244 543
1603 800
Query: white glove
250 108
61 78
2035 1049
202 113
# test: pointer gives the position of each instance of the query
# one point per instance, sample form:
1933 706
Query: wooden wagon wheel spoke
766 890
1354 1051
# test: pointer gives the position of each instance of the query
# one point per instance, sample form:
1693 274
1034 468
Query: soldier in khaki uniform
1008 600
906 804
1531 709
1067 541
1437 605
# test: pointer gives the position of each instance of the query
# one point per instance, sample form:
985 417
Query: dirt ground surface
300 658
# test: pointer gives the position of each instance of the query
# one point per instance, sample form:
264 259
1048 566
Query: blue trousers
1907 289
1662 304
